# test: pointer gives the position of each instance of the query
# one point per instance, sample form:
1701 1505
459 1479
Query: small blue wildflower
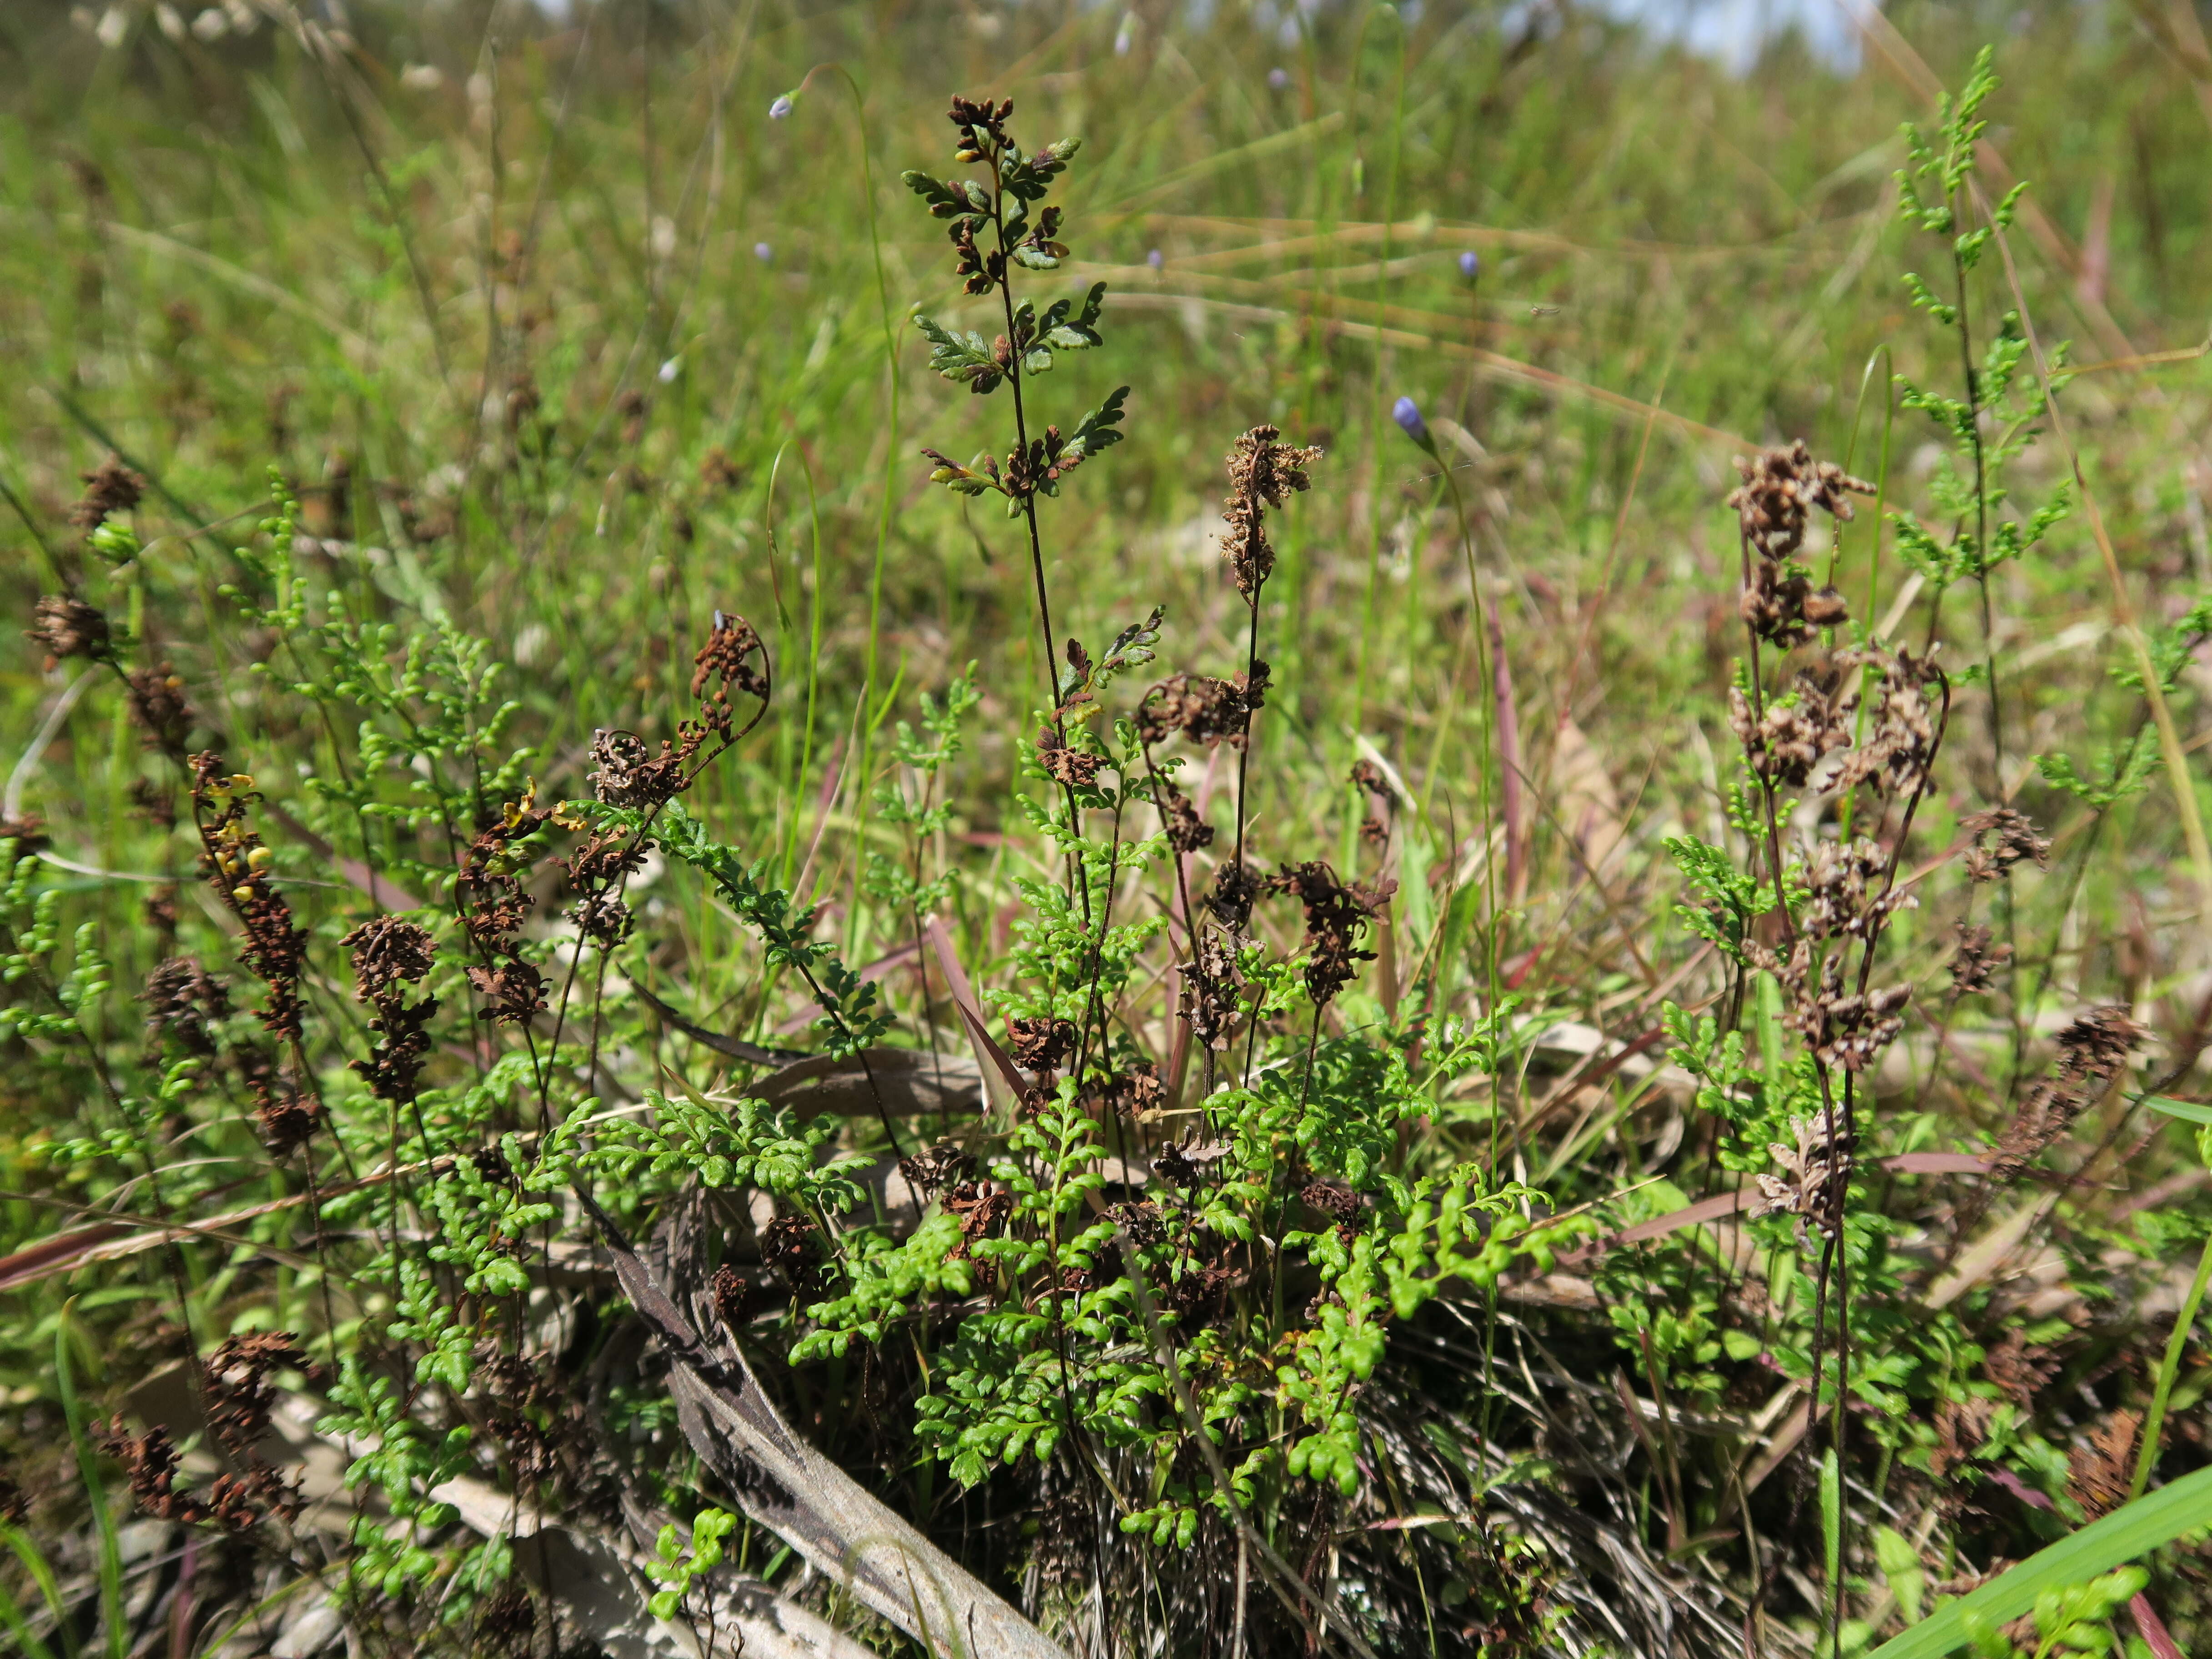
780 109
1407 414
1154 259
1279 78
764 253
1470 264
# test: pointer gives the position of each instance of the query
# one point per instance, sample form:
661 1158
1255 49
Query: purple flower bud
780 109
1279 78
1407 414
1154 260
1470 264
764 253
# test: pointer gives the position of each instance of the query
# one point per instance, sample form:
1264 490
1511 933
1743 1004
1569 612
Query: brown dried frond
1178 1167
182 1000
237 866
1336 912
1187 832
29 832
150 1463
1132 1092
1140 1221
1040 1043
1788 740
1847 1031
513 991
605 919
1375 828
2091 1052
982 125
733 1296
1335 1201
1773 604
238 1393
601 860
158 706
155 801
981 1208
627 774
1817 1166
2020 1370
387 950
1901 746
1975 960
1209 996
68 628
1205 710
2100 1472
110 488
1076 769
1196 1298
395 1065
1780 489
2099 1043
1229 899
240 1502
938 1166
1262 473
1845 898
288 1116
791 1245
2002 838
595 870
724 662
1962 1425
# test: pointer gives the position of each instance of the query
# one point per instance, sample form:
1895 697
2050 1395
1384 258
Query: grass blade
2134 1529
110 1551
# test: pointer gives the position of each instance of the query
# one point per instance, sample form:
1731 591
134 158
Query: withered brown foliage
1187 832
183 999
1040 1043
1336 913
1205 710
109 489
1211 989
1975 960
1065 763
154 697
2002 838
2098 1470
1788 738
1781 487
390 952
937 1166
236 865
1369 778
2091 1052
1806 1187
1263 472
67 627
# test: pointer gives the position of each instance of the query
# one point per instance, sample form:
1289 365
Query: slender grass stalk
95 1492
2169 1367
